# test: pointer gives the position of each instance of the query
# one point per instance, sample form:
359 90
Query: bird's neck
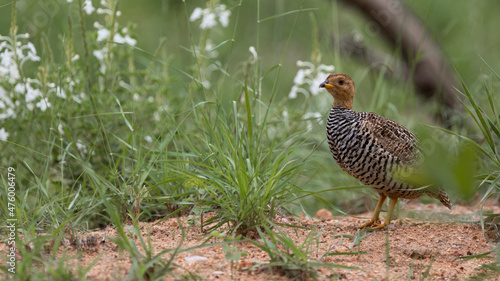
343 103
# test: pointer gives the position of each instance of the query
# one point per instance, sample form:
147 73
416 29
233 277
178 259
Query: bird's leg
389 215
375 220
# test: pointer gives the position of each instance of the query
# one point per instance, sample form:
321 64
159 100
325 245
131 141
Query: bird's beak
326 85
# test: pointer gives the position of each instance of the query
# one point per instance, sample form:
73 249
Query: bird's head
341 87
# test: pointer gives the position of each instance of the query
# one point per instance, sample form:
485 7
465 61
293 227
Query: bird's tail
441 196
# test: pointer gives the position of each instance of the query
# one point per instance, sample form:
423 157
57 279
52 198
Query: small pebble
196 258
285 220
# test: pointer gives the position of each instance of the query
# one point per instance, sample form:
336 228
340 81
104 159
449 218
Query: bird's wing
392 137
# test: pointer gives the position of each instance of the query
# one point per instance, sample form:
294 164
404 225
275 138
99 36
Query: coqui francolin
373 149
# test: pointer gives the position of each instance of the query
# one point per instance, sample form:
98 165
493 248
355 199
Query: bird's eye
341 82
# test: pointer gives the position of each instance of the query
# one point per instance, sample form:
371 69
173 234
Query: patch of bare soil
414 245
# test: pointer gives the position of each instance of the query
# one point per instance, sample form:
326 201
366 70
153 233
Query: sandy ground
432 238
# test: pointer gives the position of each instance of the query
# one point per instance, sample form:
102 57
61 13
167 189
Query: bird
375 150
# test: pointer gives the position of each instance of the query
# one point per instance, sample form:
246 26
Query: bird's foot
380 226
375 223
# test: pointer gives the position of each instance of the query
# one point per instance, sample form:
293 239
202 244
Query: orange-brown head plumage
341 87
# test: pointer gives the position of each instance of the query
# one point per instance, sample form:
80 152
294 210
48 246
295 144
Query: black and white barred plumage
377 152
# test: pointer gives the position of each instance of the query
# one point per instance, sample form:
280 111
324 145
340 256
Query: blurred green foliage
163 69
466 29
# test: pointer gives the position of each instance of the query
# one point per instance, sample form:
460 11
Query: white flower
101 11
8 66
4 97
254 54
10 62
43 104
9 113
293 92
209 16
60 129
101 54
326 68
314 87
296 89
3 135
81 147
311 76
32 93
208 21
118 38
129 40
60 93
31 55
103 34
87 7
19 88
148 139
197 13
299 77
224 18
304 64
206 84
223 14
